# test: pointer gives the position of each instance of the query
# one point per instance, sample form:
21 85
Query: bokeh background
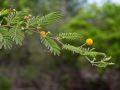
32 67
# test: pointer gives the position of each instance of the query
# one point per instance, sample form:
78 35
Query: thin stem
82 45
32 29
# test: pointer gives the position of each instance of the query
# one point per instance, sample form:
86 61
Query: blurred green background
32 67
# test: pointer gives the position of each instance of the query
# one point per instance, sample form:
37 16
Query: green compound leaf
51 45
6 40
69 36
102 64
71 48
15 18
44 20
82 51
17 35
90 53
50 18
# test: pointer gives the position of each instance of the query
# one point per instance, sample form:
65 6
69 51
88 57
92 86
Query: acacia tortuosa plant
15 24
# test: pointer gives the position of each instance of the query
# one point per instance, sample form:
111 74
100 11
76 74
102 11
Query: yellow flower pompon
89 41
42 34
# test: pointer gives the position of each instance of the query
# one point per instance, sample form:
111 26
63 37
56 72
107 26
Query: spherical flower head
42 34
89 41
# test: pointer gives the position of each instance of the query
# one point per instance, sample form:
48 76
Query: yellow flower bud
89 41
42 34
